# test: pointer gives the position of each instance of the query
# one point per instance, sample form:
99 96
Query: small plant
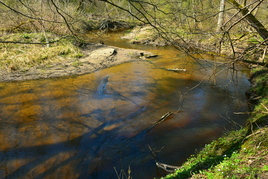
265 168
122 174
78 55
77 63
26 36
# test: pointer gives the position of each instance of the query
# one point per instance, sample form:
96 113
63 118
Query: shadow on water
100 124
85 158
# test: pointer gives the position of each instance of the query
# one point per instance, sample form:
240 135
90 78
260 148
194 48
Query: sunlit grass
21 57
247 162
247 157
239 154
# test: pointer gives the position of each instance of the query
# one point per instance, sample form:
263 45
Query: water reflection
95 125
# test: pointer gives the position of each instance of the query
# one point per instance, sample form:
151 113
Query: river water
99 125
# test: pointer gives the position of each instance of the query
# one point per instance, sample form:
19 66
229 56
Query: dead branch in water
166 167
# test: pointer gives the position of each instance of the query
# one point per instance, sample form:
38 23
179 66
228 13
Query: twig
154 151
198 83
166 167
34 43
65 20
264 106
25 15
264 53
243 112
164 117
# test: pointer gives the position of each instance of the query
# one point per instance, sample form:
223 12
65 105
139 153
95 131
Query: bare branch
65 20
34 43
28 16
255 23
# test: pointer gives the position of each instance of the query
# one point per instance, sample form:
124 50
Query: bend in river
98 125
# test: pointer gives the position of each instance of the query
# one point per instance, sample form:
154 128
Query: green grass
236 155
247 162
239 154
213 154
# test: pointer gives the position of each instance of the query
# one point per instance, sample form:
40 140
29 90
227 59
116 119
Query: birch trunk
221 15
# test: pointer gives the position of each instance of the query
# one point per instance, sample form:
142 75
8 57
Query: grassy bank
239 154
28 50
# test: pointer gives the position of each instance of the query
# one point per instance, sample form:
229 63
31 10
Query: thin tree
221 15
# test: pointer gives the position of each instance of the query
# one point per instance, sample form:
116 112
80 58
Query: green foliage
265 168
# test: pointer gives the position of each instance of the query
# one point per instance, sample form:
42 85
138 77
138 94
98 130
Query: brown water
98 125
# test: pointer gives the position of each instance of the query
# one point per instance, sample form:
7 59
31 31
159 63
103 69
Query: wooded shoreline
237 28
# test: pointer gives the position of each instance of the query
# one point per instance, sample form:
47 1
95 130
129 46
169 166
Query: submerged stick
164 117
166 167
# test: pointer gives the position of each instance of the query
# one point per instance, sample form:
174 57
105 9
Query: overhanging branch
28 16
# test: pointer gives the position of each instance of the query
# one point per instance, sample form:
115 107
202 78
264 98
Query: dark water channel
97 125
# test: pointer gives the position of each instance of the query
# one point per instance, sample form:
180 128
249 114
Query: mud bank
95 57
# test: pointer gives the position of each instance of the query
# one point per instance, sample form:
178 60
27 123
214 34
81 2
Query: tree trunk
255 23
221 15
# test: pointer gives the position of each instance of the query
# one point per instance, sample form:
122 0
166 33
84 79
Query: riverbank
238 154
58 61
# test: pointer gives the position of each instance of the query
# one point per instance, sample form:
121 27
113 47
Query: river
98 125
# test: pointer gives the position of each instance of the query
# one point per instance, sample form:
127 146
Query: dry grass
21 57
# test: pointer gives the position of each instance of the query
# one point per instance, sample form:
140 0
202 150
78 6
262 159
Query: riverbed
99 125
